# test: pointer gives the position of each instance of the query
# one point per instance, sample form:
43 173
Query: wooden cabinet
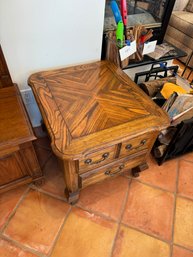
18 161
99 121
5 78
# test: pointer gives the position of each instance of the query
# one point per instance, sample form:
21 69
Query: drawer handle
129 146
109 173
104 157
143 142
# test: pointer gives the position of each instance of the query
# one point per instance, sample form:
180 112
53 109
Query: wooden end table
100 123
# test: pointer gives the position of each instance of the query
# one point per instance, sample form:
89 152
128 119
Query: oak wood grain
92 112
18 161
91 105
14 124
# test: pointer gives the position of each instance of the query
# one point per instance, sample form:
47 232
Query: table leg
136 170
69 169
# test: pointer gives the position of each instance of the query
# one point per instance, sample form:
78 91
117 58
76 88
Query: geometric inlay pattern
89 105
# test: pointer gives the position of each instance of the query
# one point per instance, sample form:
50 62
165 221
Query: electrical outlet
27 96
31 107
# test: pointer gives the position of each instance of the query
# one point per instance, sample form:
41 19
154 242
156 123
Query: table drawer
135 145
97 159
110 170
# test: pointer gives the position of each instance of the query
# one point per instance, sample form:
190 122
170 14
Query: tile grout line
14 210
154 186
185 197
151 185
182 159
175 203
96 213
21 246
120 218
183 247
48 193
146 233
4 236
59 232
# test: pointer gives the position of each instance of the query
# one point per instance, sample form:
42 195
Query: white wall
40 34
180 5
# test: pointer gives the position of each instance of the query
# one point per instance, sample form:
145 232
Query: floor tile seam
178 195
182 159
175 202
11 215
121 216
96 213
99 213
146 233
183 247
21 246
153 186
32 187
59 232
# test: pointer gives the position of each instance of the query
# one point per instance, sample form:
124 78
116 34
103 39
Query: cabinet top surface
14 124
92 104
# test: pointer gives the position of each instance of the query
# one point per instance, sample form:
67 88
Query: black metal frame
181 143
154 72
165 20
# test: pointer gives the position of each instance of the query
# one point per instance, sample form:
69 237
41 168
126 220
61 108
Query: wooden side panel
15 127
30 160
11 168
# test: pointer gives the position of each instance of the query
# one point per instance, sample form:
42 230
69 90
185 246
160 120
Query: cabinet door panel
11 168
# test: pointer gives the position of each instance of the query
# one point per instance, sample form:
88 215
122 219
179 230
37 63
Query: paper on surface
149 47
126 51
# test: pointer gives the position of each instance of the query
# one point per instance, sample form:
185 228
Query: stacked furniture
180 29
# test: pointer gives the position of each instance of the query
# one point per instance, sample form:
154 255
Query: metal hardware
88 161
104 157
109 173
143 141
128 147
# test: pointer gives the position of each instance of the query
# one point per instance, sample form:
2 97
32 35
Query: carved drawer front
97 159
110 170
136 144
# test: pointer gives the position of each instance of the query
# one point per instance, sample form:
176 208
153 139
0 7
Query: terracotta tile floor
149 216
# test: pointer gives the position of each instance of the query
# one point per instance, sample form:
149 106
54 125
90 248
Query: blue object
116 11
162 65
128 43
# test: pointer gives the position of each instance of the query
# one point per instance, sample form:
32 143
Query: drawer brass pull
109 173
128 147
143 141
104 157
